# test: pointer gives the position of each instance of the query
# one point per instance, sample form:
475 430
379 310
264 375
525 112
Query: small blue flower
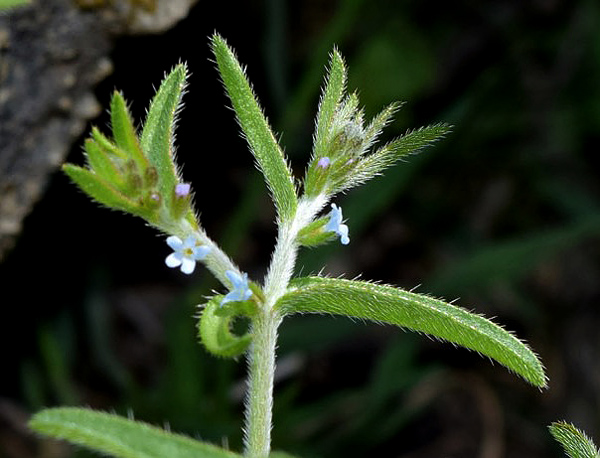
185 253
240 291
335 224
323 163
182 189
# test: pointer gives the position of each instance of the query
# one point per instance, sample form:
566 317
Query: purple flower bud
323 162
182 190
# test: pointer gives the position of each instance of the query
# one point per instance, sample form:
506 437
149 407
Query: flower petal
174 260
200 252
174 242
188 265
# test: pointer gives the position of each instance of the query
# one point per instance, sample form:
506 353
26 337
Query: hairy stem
259 406
259 401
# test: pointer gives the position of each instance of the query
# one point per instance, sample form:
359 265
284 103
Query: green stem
259 404
259 407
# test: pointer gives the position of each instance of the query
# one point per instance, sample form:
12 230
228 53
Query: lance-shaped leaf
410 143
157 139
257 131
120 437
413 311
102 164
333 92
574 441
102 191
124 131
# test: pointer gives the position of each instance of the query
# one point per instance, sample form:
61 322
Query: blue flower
240 291
185 253
182 189
323 163
335 224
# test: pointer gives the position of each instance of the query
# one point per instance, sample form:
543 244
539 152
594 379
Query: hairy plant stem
259 398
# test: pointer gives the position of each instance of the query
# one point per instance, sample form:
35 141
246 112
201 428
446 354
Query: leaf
413 311
386 156
120 437
214 330
99 189
333 92
124 131
157 139
100 162
574 441
257 131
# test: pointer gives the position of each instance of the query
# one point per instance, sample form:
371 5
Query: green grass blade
157 139
413 311
574 441
257 131
120 437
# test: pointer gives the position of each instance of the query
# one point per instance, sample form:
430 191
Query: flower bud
151 177
180 200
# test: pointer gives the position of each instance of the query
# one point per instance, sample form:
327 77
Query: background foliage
503 214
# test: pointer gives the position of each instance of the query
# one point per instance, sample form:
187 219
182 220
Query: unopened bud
152 200
151 177
182 190
323 162
180 201
134 183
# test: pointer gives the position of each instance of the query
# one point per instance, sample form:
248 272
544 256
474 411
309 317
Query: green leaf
101 163
333 92
157 139
574 441
386 156
258 133
124 131
120 437
101 190
214 330
331 98
413 311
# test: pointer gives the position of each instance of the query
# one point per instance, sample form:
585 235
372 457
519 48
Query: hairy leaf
333 92
101 190
214 330
257 131
101 163
574 441
124 131
413 311
120 437
157 139
386 156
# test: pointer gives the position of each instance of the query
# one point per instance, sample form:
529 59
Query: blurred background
501 216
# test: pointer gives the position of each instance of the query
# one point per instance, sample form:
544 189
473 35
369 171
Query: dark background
502 215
